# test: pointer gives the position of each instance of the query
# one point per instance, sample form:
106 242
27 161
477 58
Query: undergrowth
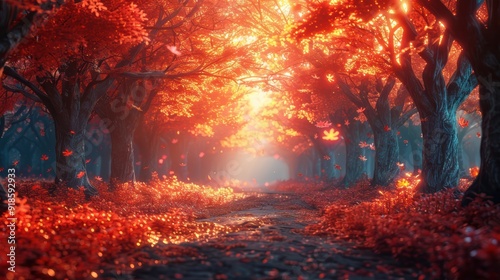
66 237
434 231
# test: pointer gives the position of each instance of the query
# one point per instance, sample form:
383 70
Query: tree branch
23 92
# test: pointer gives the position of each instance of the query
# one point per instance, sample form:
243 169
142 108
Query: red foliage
67 237
432 230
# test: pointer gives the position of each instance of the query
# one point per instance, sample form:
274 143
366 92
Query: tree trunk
386 157
488 180
122 153
327 166
440 154
70 156
354 168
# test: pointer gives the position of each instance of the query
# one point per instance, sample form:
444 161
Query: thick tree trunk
440 153
354 168
122 153
488 180
386 157
70 156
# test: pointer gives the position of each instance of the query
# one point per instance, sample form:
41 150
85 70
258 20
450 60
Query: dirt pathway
270 246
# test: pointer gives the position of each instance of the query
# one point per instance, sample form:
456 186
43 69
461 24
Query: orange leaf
463 122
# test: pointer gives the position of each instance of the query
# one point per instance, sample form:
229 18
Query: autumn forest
250 139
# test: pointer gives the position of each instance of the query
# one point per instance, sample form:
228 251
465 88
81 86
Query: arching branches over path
409 41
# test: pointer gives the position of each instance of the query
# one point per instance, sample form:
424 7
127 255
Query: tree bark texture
70 156
440 168
488 180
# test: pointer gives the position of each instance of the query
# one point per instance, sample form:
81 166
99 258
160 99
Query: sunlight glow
405 7
258 99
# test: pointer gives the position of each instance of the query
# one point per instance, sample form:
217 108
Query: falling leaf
71 132
363 144
462 122
67 153
387 128
15 163
173 49
405 142
478 135
87 160
331 135
401 165
347 123
174 141
316 77
44 157
338 167
202 154
80 174
362 158
323 124
361 110
330 78
326 157
372 146
98 178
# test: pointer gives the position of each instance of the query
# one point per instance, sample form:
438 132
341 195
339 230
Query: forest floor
269 244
